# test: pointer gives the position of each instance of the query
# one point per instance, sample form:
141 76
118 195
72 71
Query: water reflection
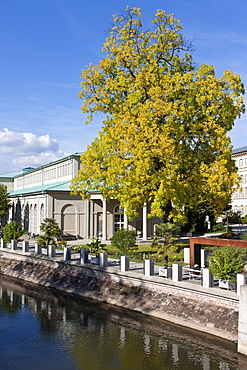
44 329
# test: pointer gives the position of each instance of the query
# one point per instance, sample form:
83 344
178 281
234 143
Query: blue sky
44 45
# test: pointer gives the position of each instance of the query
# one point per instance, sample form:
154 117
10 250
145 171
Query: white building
239 198
44 192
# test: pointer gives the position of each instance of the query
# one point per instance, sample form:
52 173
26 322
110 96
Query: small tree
225 263
12 231
4 200
50 230
167 231
124 240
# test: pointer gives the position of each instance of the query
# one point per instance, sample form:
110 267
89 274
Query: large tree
4 199
164 136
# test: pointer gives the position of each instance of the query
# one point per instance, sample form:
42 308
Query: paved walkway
136 271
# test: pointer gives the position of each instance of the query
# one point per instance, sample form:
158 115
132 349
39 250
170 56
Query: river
43 329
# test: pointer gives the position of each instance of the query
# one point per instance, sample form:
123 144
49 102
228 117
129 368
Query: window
241 162
118 218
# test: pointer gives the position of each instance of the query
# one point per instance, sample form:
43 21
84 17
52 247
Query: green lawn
147 251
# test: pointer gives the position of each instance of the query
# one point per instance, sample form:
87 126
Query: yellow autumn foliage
164 137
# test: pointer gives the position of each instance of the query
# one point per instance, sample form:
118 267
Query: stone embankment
208 313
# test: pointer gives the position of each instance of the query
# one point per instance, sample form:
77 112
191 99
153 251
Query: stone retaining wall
214 315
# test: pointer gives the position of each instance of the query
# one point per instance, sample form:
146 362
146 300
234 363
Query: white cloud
25 149
25 143
37 160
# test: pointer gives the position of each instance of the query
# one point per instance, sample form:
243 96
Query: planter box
225 284
95 260
165 272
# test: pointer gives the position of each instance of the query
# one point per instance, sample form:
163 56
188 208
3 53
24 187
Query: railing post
25 246
242 321
241 280
13 244
83 256
148 267
51 251
66 254
37 248
207 278
176 272
124 263
103 260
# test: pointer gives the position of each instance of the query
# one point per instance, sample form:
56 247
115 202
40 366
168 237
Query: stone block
148 267
25 246
176 272
37 248
83 256
51 251
207 278
241 280
103 260
124 263
242 321
204 256
13 245
66 254
187 255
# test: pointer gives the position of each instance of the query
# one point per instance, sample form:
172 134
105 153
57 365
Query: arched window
31 219
118 218
35 219
240 162
42 213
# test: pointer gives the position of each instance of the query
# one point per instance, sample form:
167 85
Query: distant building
44 192
239 198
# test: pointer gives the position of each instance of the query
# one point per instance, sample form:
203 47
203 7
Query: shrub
12 231
226 262
61 243
219 227
50 230
96 246
124 240
228 235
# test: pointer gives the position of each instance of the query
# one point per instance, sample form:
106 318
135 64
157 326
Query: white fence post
176 272
242 321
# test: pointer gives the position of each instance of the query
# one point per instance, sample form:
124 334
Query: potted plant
167 231
96 247
225 263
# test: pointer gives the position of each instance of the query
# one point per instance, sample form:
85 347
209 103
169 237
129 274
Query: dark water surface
44 329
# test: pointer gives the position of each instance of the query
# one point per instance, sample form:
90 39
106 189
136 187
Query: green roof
58 186
10 174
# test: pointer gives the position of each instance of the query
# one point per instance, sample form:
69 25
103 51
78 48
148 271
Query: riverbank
179 303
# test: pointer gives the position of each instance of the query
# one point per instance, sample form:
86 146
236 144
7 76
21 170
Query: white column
144 222
87 218
242 321
104 222
125 220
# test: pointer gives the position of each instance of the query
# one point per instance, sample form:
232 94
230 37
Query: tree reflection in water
46 329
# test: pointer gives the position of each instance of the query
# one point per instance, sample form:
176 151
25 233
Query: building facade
44 192
239 198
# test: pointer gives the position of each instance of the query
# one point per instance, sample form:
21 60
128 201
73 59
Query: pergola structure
197 242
